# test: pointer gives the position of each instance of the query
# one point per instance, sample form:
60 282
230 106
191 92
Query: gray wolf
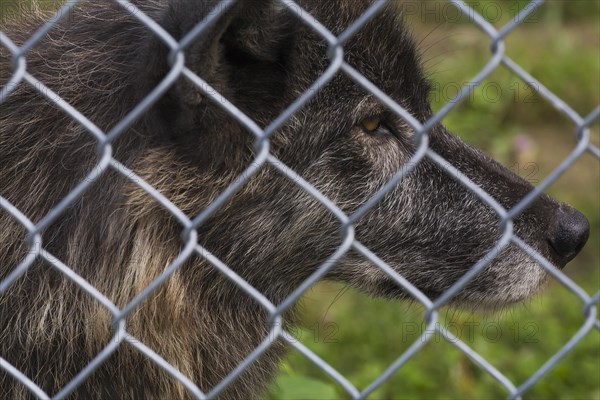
103 62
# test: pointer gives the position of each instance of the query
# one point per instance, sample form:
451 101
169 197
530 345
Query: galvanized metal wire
338 65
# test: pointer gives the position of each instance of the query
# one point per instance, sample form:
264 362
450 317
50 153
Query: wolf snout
570 233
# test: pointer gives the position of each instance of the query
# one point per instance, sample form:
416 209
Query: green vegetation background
359 336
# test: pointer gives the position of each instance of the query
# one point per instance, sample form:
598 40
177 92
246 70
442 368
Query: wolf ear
243 50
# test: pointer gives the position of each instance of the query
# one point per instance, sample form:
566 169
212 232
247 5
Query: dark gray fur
102 61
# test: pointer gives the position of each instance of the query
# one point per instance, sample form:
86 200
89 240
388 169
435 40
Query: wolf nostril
571 232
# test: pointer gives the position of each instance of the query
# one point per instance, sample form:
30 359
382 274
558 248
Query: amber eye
371 124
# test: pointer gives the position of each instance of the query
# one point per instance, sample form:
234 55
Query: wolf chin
261 57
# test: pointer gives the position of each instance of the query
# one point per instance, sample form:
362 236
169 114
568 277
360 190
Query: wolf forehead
382 50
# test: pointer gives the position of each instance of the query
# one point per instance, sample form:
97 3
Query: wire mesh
263 157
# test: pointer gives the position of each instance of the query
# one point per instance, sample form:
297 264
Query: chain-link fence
338 65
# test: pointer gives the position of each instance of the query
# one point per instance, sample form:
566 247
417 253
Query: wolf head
430 228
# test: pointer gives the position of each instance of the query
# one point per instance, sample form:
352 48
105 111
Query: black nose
571 231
